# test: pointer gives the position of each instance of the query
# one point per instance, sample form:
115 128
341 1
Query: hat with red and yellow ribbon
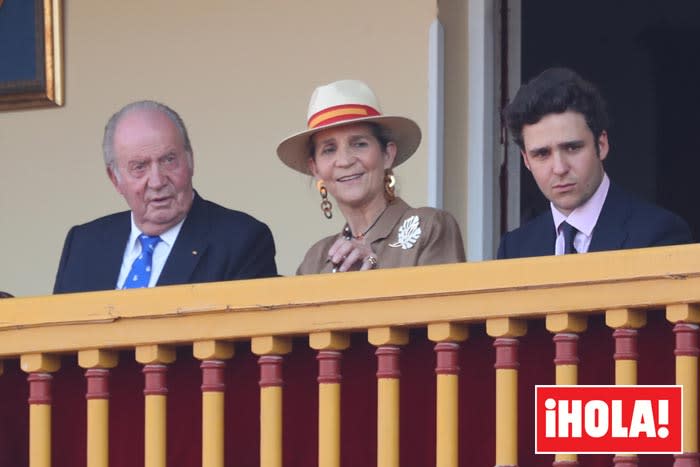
342 103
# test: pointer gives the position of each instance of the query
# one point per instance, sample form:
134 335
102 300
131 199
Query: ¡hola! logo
608 419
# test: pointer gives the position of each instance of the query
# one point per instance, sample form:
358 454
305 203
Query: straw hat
342 103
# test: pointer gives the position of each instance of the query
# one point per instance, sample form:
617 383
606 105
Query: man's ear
114 179
603 146
190 162
389 155
526 161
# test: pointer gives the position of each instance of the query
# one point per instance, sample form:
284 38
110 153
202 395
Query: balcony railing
249 373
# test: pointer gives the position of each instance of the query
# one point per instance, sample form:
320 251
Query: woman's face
350 161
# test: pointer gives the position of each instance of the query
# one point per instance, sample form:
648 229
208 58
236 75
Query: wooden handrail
472 292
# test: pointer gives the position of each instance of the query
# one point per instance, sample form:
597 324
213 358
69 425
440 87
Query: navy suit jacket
624 222
214 244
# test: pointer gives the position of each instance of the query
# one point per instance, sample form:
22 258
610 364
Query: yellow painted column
40 367
565 327
213 353
329 346
387 341
98 363
505 331
625 323
155 359
447 336
271 349
686 317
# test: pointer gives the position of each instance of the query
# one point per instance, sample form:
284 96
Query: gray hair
108 139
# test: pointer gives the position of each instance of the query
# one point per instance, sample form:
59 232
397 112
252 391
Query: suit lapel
110 253
609 232
190 246
542 243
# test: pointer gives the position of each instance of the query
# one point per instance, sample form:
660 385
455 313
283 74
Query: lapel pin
194 252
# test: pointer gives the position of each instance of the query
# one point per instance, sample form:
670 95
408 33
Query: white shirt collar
168 237
585 217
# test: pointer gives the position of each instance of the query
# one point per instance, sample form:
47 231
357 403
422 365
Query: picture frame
31 54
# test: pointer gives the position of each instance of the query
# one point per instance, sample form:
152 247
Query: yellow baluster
505 330
213 353
625 322
329 345
686 316
154 358
447 336
271 350
565 326
40 367
388 374
97 363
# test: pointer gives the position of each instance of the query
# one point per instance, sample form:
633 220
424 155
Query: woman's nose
345 157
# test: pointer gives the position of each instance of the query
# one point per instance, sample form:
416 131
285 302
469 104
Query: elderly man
170 235
560 123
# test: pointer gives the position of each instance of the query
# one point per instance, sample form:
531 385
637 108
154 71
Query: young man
560 123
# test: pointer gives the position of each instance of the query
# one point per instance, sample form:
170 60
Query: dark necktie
569 232
140 273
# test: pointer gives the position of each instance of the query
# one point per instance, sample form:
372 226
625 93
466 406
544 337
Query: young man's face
564 158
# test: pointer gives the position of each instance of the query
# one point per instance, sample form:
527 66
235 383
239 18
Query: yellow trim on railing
269 312
475 292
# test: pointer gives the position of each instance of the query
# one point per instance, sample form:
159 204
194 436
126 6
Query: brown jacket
439 240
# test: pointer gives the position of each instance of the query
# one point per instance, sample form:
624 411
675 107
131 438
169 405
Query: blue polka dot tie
140 272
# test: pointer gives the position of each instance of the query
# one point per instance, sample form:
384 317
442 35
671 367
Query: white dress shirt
160 254
583 218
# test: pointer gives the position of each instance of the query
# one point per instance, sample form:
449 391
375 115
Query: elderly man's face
153 171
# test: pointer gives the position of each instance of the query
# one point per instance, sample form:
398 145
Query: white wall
240 73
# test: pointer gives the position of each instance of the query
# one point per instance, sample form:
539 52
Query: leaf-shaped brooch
409 233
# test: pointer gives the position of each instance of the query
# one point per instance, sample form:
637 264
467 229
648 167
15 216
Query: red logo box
608 419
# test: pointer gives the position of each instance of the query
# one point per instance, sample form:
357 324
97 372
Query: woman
351 148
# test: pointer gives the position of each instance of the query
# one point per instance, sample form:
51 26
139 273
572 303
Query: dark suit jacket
624 222
214 244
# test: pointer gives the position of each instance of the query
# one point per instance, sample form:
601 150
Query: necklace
347 233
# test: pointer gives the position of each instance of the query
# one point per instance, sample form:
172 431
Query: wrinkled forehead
146 128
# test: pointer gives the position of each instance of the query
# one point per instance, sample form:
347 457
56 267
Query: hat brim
404 132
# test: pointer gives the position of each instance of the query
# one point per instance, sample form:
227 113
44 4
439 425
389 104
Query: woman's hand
351 254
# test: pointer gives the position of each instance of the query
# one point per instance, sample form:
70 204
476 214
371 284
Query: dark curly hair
554 91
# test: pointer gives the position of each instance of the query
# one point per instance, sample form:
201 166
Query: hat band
340 113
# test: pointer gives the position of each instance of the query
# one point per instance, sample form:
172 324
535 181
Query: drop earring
326 206
389 184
